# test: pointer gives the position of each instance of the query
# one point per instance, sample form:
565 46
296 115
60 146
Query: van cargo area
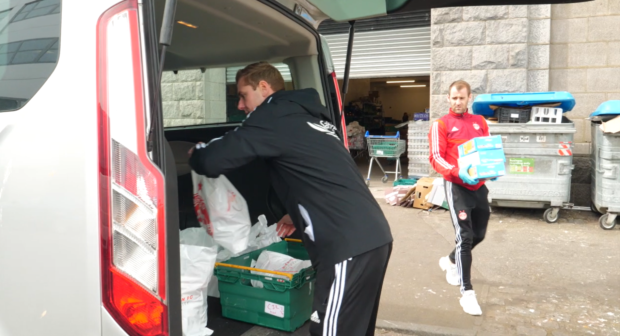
211 43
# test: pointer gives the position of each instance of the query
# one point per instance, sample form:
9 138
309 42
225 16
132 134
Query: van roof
233 32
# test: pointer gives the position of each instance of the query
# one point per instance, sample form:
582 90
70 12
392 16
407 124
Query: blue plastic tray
482 102
610 107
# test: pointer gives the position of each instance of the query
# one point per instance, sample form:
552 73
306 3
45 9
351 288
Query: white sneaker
470 303
452 274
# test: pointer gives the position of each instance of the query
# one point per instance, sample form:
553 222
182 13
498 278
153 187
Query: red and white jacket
446 134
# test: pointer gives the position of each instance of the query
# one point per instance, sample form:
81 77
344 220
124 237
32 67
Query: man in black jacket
345 232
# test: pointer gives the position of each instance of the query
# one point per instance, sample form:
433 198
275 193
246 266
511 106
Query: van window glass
29 47
193 97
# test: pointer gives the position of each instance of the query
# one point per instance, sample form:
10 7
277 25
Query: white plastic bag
198 253
261 235
268 235
221 209
274 261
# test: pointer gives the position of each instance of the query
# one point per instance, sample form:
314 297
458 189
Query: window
4 14
36 9
191 97
28 50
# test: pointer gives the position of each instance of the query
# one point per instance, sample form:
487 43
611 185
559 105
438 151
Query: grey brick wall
192 97
494 48
585 58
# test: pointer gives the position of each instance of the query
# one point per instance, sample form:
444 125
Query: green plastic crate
387 148
405 182
282 304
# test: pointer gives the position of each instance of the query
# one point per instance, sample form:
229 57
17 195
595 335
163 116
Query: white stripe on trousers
435 145
330 325
457 230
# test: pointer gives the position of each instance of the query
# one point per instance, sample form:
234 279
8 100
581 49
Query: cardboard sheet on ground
438 194
394 195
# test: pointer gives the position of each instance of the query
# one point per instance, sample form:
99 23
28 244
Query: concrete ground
531 278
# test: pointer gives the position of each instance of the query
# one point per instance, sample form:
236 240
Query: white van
92 195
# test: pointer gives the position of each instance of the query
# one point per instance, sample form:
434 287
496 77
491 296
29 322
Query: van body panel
109 327
49 228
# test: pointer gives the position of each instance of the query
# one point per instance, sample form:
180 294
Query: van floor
220 325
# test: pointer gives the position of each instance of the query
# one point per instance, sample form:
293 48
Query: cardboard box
480 144
423 188
483 157
488 171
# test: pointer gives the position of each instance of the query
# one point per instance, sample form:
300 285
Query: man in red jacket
466 196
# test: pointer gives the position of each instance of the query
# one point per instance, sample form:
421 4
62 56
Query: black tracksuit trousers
470 212
347 295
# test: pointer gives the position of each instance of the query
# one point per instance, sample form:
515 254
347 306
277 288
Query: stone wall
494 48
585 58
191 97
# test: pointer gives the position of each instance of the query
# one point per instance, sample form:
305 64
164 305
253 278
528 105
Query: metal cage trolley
385 146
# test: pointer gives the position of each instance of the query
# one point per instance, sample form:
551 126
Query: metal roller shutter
392 46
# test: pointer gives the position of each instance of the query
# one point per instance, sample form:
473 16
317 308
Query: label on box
525 138
487 170
521 166
274 309
480 144
541 138
484 157
514 115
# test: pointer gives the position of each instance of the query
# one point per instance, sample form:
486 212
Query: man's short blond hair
459 85
261 71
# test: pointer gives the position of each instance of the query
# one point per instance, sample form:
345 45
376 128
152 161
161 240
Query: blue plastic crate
482 102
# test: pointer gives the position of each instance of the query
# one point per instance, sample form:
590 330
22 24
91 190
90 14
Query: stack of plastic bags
226 232
198 252
354 128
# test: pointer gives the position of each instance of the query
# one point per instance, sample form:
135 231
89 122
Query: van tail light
132 209
341 110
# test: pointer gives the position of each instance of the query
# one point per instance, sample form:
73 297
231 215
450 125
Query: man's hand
285 226
464 175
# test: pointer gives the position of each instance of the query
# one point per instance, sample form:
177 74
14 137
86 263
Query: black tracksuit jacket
311 172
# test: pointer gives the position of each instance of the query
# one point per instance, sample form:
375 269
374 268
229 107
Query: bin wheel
603 223
548 216
594 209
384 179
367 183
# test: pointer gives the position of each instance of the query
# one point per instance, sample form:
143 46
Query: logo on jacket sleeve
462 215
325 127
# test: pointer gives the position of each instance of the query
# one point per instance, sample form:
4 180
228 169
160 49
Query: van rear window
193 97
29 47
